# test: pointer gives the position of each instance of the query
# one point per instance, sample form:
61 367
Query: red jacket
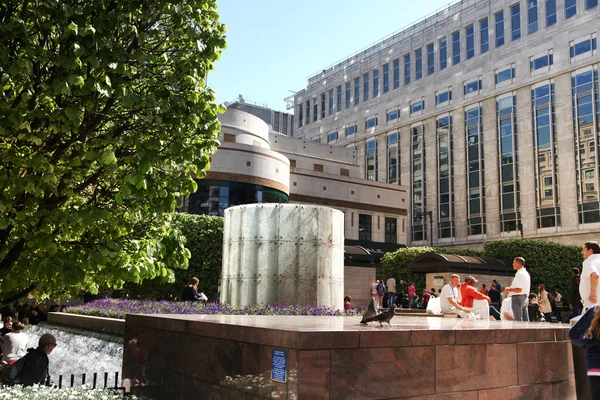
469 293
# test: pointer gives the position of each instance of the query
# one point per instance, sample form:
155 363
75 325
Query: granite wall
176 358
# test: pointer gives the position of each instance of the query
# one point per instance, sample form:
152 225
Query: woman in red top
470 293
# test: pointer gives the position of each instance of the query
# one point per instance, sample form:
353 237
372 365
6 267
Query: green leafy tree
204 239
104 113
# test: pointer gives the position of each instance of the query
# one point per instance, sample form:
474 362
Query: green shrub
548 262
204 240
396 264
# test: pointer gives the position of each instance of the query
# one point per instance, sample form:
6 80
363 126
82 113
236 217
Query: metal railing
97 381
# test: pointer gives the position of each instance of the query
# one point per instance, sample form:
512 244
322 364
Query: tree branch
17 296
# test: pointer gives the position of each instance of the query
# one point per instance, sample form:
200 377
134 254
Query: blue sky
274 45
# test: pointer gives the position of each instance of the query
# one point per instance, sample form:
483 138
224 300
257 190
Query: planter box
97 324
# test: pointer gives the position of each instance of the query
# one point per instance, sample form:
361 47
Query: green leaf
75 80
3 223
107 158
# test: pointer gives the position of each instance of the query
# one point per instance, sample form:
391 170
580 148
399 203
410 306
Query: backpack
381 289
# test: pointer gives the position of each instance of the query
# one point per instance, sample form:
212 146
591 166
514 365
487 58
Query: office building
487 111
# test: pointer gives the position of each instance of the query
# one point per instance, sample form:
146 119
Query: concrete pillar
525 151
459 158
565 147
431 180
490 150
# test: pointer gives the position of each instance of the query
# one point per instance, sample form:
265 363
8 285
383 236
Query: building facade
277 121
487 111
256 165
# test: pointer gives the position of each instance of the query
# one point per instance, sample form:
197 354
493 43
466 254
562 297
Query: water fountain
283 253
80 353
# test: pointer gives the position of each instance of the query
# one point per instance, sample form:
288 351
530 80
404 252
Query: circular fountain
283 253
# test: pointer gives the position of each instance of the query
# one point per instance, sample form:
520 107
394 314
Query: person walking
518 291
586 334
558 305
374 292
544 302
589 290
391 290
380 292
574 298
412 293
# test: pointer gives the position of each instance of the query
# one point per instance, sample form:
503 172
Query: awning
436 262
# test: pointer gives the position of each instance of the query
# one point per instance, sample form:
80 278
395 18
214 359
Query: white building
489 113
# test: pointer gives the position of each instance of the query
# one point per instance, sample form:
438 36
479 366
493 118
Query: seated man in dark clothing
535 315
33 368
495 296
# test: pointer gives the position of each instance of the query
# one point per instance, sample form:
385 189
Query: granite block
524 392
565 390
550 335
536 362
515 335
327 340
471 395
190 355
384 338
385 370
471 367
314 374
235 359
474 336
433 337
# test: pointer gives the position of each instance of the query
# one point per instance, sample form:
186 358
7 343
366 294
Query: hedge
204 236
548 262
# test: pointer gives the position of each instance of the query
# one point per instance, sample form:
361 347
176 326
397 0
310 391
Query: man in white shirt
449 298
519 290
588 283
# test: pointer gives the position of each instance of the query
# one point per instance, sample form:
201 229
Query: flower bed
51 393
117 308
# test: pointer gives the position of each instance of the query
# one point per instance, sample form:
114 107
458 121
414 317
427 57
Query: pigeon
384 316
370 311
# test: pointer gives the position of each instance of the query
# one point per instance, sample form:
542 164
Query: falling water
79 354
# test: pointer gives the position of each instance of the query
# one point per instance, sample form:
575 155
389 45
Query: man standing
519 290
449 298
391 290
588 283
32 369
574 297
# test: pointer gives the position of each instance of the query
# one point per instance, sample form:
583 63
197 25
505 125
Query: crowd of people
458 298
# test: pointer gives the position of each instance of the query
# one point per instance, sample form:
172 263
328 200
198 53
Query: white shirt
15 346
448 291
590 265
521 280
391 285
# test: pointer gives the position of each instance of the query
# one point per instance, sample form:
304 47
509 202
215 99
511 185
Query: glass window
316 139
418 64
445 177
472 87
443 54
417 106
375 82
550 12
499 29
307 112
366 87
300 115
507 130
370 122
532 16
430 59
339 98
590 3
350 131
330 101
365 226
589 174
393 158
356 91
322 105
371 160
455 48
348 97
332 137
315 109
484 35
386 78
540 62
443 97
396 73
418 184
393 115
391 232
515 21
503 75
582 47
407 69
570 8
470 41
